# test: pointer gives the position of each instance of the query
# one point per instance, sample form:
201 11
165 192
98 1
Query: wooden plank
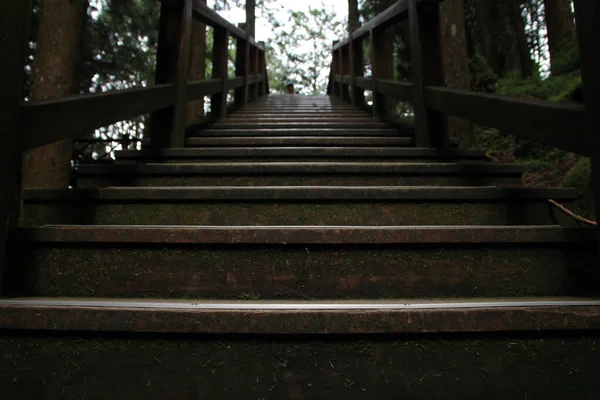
220 57
44 122
587 14
364 83
252 71
335 70
234 83
427 69
184 46
262 66
15 17
212 18
399 90
556 124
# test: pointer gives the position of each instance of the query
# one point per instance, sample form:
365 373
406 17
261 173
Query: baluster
427 70
345 71
241 69
262 61
358 70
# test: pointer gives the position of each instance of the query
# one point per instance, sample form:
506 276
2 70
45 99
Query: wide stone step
502 350
311 205
300 141
405 154
299 174
297 115
285 262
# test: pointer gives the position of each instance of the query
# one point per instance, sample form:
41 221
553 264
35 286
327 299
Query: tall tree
518 26
484 23
251 17
561 29
455 57
353 21
55 74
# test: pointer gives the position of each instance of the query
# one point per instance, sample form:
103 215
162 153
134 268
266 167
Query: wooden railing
27 125
567 126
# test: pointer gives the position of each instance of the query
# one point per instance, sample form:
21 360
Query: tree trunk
484 23
195 108
561 28
55 74
353 21
455 58
251 17
518 24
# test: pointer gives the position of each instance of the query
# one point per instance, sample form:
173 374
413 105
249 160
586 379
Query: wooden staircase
299 250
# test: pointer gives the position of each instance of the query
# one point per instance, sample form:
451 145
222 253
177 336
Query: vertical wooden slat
345 70
253 70
587 14
220 57
241 69
161 120
358 70
427 70
177 137
382 68
15 17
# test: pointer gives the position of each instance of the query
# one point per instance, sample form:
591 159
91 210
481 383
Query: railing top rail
392 15
213 19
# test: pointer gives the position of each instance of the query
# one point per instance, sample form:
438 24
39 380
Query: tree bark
456 59
561 27
195 108
353 21
484 23
55 74
251 17
518 24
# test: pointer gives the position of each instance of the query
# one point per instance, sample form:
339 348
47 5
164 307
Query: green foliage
483 78
567 60
554 88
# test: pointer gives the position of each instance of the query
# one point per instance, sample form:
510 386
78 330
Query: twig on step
571 214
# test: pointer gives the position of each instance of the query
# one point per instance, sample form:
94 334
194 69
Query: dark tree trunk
353 21
484 23
518 25
561 28
55 74
455 58
251 17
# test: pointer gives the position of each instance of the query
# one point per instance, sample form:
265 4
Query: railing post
161 122
427 70
587 15
381 68
220 56
253 70
241 69
335 70
15 17
345 71
358 70
184 48
262 65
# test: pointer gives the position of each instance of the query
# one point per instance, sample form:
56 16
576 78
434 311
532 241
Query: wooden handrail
555 124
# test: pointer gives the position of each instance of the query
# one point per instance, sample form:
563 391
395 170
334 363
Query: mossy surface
296 180
80 366
291 213
301 272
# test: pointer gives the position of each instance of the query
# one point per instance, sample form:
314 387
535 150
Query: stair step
406 154
299 174
488 356
294 132
313 205
283 262
300 125
297 115
307 141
